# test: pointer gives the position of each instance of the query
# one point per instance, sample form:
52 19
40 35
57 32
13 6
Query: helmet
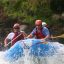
38 22
44 24
16 25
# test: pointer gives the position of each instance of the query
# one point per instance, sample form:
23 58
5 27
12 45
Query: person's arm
32 33
47 37
29 36
8 39
24 34
5 42
46 33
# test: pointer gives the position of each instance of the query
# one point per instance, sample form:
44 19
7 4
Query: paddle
13 40
61 36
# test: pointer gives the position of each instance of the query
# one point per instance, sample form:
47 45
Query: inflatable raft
35 47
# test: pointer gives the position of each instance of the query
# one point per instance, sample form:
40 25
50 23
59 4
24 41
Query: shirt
45 31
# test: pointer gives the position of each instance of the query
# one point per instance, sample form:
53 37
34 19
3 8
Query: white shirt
10 35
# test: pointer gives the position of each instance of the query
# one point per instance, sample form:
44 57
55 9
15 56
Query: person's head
16 27
44 24
38 23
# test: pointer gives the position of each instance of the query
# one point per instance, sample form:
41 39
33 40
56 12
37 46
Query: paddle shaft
14 39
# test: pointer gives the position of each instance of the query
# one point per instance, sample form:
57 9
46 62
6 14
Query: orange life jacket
39 34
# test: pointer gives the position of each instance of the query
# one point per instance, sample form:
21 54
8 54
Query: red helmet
38 22
16 25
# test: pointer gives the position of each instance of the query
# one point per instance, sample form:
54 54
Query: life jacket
39 34
14 39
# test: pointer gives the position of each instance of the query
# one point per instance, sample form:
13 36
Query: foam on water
2 60
58 58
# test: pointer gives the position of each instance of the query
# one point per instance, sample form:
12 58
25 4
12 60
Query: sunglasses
38 25
16 28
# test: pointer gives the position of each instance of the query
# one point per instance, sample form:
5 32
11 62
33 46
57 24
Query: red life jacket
18 38
39 34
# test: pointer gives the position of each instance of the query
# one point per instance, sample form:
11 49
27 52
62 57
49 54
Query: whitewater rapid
58 58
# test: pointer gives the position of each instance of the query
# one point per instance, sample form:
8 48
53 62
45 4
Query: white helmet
44 24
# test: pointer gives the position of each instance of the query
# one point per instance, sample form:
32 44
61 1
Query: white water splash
2 60
26 59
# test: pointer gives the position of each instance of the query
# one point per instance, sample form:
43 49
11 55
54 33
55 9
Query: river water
55 59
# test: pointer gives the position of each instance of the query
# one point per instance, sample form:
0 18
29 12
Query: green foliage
26 10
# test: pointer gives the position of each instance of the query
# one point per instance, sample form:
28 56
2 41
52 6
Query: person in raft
15 36
40 32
